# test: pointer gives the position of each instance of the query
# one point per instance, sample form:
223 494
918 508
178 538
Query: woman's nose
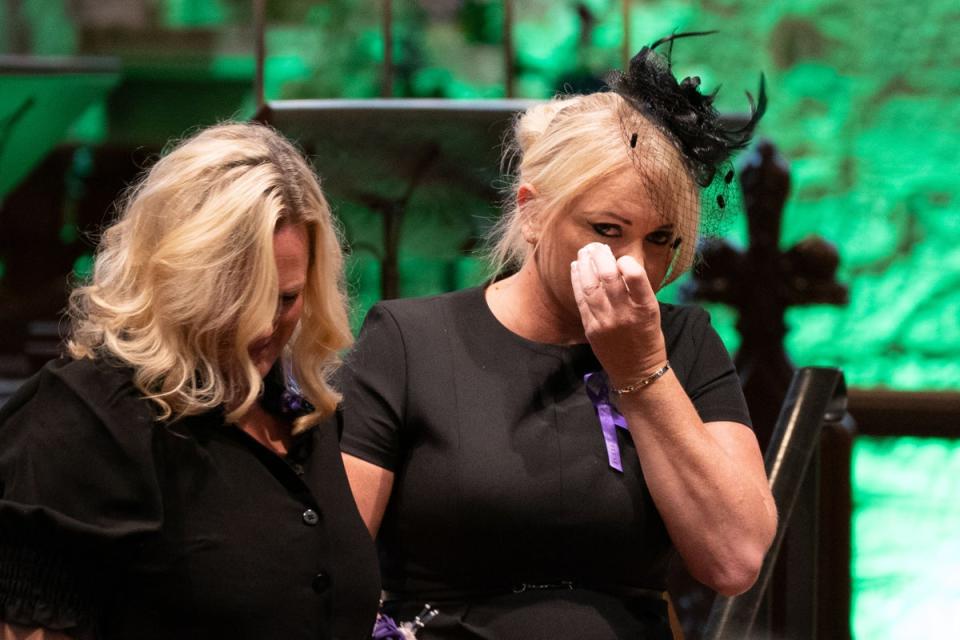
268 330
635 251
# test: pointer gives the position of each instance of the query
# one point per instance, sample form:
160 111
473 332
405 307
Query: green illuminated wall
864 105
867 114
907 552
864 102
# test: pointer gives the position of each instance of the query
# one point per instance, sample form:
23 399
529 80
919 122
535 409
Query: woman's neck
523 304
267 429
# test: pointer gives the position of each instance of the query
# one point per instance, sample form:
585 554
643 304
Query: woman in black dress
176 474
530 454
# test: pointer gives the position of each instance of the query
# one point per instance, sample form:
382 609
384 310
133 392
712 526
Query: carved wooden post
762 282
386 27
509 64
259 50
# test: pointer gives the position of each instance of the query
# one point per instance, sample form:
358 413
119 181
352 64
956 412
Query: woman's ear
525 193
530 220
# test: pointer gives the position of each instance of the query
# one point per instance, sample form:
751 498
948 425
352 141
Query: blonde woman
175 475
531 454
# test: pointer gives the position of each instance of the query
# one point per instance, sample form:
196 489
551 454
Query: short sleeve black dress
502 481
117 526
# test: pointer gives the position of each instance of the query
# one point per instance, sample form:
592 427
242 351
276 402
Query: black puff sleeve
77 489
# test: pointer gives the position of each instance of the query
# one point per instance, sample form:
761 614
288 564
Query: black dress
502 480
112 522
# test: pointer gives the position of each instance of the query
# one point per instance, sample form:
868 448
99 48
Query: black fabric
501 473
113 522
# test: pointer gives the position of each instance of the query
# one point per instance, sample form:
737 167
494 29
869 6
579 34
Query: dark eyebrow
612 215
663 227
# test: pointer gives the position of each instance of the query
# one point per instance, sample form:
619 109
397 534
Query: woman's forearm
708 483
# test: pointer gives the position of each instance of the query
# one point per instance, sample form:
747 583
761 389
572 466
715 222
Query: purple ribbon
386 629
598 390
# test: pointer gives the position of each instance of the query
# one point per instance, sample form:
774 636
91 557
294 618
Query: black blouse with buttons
114 524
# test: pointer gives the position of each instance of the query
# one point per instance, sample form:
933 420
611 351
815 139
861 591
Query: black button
310 517
297 468
321 582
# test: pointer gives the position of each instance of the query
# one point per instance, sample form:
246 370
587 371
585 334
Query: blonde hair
570 144
185 279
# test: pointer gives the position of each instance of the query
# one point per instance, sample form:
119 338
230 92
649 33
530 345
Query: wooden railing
816 397
906 413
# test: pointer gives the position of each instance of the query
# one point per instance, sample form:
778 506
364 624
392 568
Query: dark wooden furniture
379 153
816 398
762 282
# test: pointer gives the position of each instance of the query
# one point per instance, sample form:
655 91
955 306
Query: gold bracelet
650 379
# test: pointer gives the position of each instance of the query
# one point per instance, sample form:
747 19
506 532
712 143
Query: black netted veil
679 110
691 124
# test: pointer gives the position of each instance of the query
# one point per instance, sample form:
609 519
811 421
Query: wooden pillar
18 29
509 69
626 49
259 50
386 23
761 283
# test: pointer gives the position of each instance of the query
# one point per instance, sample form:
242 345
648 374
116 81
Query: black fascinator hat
690 125
678 109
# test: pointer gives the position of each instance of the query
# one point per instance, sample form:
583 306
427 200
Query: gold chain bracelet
650 379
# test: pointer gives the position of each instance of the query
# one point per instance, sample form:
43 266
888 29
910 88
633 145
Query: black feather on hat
685 115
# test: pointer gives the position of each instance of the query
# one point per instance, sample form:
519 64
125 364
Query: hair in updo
568 145
666 130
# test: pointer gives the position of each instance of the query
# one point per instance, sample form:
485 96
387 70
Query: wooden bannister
761 282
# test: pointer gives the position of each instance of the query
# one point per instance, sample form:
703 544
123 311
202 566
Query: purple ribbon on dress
598 390
386 629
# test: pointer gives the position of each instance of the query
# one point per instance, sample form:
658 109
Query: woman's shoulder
72 406
94 378
100 384
429 306
76 446
677 318
421 314
687 330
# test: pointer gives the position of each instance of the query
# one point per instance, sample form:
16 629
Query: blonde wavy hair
185 279
568 145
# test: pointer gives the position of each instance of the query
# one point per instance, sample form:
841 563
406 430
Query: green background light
863 103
